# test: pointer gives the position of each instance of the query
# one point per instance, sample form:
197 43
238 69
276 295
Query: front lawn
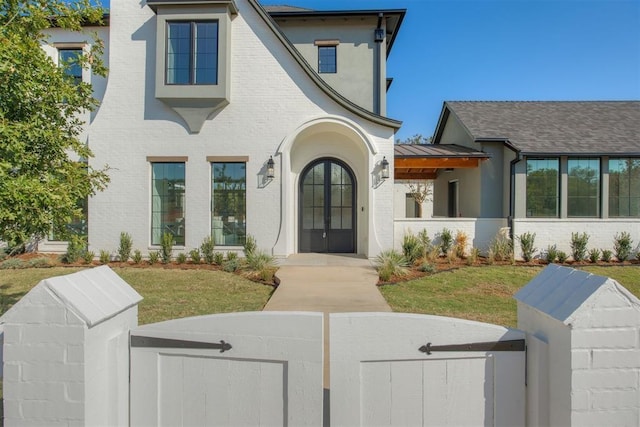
168 293
482 293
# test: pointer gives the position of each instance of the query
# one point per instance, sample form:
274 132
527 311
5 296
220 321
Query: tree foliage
44 168
415 139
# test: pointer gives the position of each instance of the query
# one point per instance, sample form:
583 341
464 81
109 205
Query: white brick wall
601 334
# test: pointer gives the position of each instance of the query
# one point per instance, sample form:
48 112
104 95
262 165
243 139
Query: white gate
413 370
261 368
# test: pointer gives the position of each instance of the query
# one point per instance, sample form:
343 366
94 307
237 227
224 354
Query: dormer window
192 53
193 56
327 56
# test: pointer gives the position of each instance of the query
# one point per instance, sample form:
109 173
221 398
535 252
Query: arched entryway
327 208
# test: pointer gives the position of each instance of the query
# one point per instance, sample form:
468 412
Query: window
192 53
68 59
167 201
327 59
624 187
78 226
228 195
412 208
583 194
542 188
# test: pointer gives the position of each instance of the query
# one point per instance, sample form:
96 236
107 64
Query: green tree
44 167
415 139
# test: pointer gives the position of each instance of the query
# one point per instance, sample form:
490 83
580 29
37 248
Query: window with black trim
167 201
229 206
624 187
327 62
192 53
583 192
543 183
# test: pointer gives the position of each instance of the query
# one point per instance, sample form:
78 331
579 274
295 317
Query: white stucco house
228 119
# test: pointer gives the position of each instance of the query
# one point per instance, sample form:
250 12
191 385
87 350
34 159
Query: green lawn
168 293
482 293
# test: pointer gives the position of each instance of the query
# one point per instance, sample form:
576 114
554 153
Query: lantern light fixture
271 168
385 168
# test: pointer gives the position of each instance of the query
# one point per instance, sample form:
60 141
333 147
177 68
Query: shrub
427 267
622 245
501 247
137 256
579 246
12 264
606 255
181 258
41 262
594 255
232 256
249 246
391 263
562 257
527 247
446 241
551 254
433 254
260 260
461 242
105 256
411 248
3 253
452 256
206 249
473 256
218 258
75 248
124 250
194 254
166 244
230 265
425 242
88 256
154 257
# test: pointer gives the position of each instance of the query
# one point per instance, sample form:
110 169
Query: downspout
512 185
378 36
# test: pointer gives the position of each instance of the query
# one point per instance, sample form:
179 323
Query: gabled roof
324 86
551 127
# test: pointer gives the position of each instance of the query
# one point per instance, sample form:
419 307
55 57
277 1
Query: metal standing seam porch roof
422 161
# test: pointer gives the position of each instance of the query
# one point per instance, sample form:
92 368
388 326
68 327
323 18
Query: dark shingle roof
431 150
553 127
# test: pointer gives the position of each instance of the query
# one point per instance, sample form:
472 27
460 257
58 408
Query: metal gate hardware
510 345
138 341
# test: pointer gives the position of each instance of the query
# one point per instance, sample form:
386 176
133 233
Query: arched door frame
328 239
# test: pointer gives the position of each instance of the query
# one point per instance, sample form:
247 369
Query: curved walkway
327 283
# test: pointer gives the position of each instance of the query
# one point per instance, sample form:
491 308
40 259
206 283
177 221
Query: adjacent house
223 118
550 168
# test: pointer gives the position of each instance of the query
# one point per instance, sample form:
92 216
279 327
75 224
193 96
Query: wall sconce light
271 166
384 173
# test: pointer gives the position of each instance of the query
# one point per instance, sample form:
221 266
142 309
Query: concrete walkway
327 283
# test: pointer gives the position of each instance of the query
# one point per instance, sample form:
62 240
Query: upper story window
192 53
68 59
327 62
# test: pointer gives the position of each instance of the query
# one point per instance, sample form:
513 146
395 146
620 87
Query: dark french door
327 208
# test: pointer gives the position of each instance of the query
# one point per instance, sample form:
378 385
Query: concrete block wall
65 351
591 325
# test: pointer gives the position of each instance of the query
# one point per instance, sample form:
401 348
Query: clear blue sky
485 50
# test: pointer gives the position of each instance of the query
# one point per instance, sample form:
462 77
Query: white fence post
591 325
66 351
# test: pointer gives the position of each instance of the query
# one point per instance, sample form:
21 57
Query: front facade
549 168
223 119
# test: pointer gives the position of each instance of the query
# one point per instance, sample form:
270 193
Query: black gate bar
138 341
509 345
